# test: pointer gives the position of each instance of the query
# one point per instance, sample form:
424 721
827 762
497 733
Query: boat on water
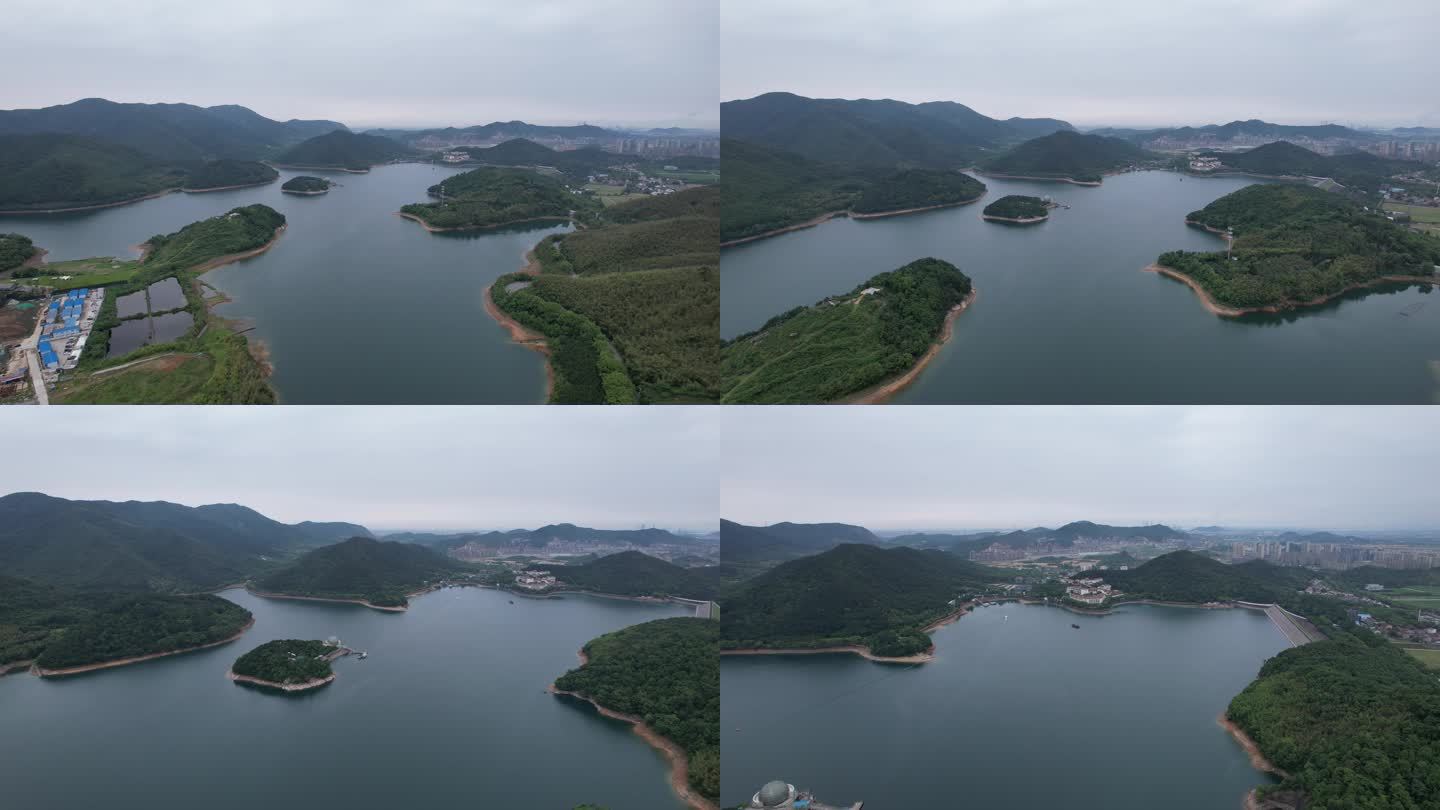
364 655
1076 626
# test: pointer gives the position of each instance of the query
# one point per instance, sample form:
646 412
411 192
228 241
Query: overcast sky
1121 62
385 467
1018 467
373 62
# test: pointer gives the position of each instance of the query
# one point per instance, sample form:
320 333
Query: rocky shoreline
519 333
432 229
1216 308
284 687
881 393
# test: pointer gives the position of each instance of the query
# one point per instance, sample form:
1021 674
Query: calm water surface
1064 313
1022 712
449 710
355 304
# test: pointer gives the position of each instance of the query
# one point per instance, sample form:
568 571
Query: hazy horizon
1335 468
436 468
637 63
1133 63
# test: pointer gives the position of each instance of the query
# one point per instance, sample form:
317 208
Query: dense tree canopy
15 250
490 197
845 344
635 573
1067 155
1295 244
286 661
381 573
47 171
917 188
1017 206
306 184
343 149
142 624
223 173
668 673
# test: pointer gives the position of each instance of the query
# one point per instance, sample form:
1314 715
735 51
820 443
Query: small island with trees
491 197
1296 246
862 346
1018 209
305 184
287 665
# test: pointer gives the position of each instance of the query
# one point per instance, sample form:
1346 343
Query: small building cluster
1204 163
455 157
66 325
1093 591
535 580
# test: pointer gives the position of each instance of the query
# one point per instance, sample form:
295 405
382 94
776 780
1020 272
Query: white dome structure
776 794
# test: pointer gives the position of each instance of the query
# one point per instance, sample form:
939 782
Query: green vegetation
97 272
1353 721
137 625
851 594
846 344
33 614
1067 155
51 171
918 188
1430 659
630 307
305 184
224 173
785 541
489 198
1296 244
1357 170
15 250
666 672
343 149
361 568
635 573
286 661
766 189
1017 206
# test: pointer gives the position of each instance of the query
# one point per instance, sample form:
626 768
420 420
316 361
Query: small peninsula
1018 209
663 677
914 190
219 175
491 197
130 629
1066 156
305 184
1296 246
864 345
287 665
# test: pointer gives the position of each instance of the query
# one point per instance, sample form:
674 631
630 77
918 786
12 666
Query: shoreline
284 687
387 609
1069 180
317 168
1016 220
220 261
304 193
861 650
679 760
902 211
92 207
1224 311
432 229
881 393
229 188
16 666
829 215
519 333
120 662
1252 750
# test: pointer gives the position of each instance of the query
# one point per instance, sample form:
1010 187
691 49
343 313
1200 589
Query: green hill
1358 170
305 184
138 545
784 541
666 671
1067 156
851 594
845 344
490 197
361 568
631 305
167 132
342 149
1297 244
48 171
286 661
225 173
15 250
143 624
1184 576
918 188
574 163
1017 206
634 573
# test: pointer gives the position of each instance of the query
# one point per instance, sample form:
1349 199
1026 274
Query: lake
354 304
1019 710
1065 314
449 710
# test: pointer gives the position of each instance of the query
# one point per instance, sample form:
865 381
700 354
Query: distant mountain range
1236 130
883 132
634 573
522 540
342 149
784 541
380 573
146 545
1067 155
672 141
171 132
1359 170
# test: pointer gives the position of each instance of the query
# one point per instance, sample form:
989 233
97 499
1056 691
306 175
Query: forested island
1296 246
220 174
15 250
490 197
663 675
116 629
344 150
289 665
305 184
628 308
853 598
635 573
769 191
1066 156
1017 208
878 335
374 573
